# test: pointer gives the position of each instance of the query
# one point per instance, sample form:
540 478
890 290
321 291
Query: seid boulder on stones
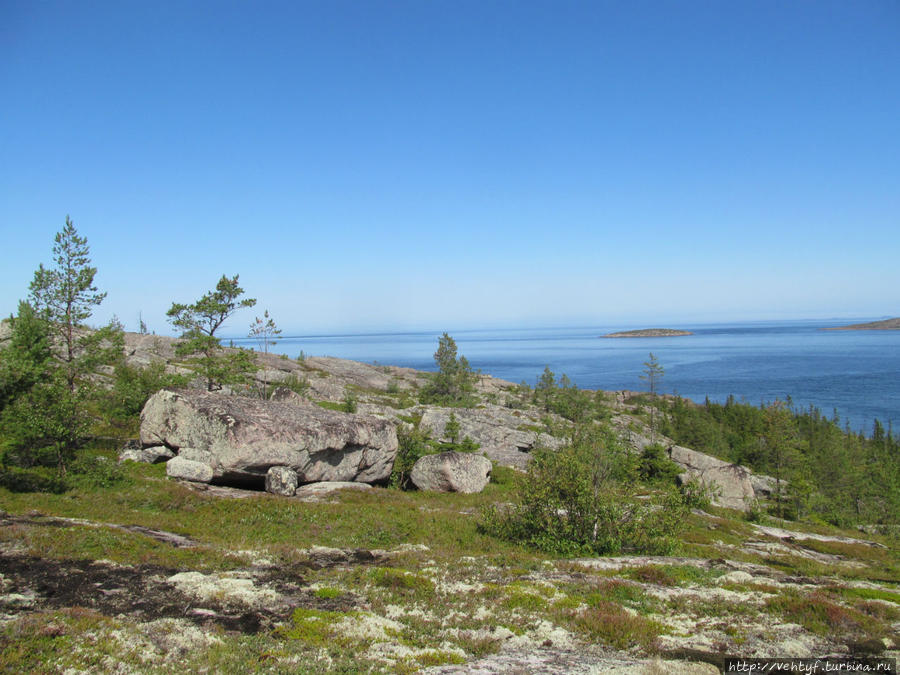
281 480
451 472
241 438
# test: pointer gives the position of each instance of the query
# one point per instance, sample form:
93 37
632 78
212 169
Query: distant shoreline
648 332
886 324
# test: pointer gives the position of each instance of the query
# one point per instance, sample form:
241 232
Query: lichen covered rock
451 472
241 438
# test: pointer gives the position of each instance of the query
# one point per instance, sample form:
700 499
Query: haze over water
856 373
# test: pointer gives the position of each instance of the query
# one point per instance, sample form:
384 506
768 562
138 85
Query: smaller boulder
188 469
281 480
451 472
152 455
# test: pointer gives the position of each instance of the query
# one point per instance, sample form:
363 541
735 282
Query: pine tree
49 418
653 373
265 332
780 443
200 321
65 296
25 359
453 383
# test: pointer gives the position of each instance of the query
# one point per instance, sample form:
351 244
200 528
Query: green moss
328 593
316 627
402 582
439 658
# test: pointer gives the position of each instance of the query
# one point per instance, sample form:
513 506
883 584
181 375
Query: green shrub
132 386
655 467
697 494
96 472
349 402
299 385
580 500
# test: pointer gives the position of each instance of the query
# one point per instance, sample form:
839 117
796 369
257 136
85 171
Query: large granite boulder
730 482
451 472
240 438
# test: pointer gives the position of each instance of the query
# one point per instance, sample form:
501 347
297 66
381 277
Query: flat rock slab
241 438
790 535
314 491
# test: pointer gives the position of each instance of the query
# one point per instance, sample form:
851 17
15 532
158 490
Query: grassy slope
463 596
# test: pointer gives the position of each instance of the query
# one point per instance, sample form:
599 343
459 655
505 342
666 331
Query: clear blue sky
437 164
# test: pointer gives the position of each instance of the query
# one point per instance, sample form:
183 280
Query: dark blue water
856 373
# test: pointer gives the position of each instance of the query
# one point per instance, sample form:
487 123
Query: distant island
886 324
648 332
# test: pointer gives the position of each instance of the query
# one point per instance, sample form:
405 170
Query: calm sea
856 373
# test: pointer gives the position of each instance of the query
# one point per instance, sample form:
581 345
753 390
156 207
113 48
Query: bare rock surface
550 660
764 486
451 472
791 535
241 438
505 436
364 375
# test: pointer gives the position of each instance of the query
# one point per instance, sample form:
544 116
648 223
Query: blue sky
428 164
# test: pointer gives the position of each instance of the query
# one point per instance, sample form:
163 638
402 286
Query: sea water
855 373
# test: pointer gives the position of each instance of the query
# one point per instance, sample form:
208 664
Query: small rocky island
886 324
648 332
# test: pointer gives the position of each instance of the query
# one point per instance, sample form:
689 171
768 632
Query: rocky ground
159 575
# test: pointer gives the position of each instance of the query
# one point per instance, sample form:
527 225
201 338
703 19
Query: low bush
34 479
581 500
655 467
